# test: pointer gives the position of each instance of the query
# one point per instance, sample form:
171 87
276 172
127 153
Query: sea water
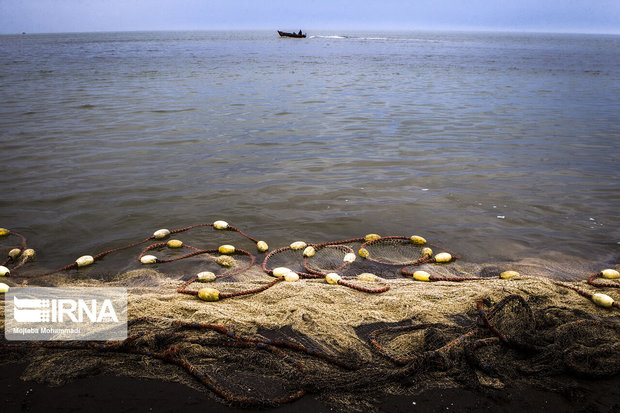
500 146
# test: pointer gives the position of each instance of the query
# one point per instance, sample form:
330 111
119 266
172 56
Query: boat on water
299 35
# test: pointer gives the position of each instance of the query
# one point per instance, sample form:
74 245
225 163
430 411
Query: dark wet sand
124 394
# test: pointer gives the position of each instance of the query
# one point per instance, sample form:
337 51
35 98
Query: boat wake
372 38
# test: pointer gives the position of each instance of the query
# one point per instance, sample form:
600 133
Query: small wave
85 106
171 110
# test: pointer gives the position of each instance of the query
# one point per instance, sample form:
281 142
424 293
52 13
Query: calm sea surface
498 146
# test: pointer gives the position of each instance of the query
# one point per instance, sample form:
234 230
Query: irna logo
32 310
61 314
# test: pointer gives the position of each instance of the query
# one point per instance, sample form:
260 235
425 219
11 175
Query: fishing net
395 250
333 331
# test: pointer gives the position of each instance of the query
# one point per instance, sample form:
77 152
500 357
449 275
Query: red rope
317 248
278 251
601 284
22 247
184 290
581 292
364 289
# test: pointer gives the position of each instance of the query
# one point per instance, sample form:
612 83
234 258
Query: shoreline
105 393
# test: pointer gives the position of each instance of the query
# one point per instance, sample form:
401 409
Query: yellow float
508 275
280 272
148 259
297 245
220 225
610 274
226 249
443 257
262 246
602 300
332 278
421 276
291 276
367 277
205 276
226 261
161 233
209 294
309 251
84 260
417 240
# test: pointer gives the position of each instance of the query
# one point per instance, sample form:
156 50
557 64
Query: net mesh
273 341
394 251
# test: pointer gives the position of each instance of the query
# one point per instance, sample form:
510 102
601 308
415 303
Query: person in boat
300 32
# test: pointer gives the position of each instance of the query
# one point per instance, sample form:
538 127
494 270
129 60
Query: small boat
299 35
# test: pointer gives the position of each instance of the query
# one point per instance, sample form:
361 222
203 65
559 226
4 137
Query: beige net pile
345 346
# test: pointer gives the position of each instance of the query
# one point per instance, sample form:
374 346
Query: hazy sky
44 16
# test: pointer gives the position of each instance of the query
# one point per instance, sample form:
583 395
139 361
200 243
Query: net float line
333 278
159 234
378 290
15 253
87 259
282 272
366 248
602 300
300 245
415 241
272 254
345 241
316 248
148 259
304 247
195 251
217 225
212 294
368 241
607 274
425 276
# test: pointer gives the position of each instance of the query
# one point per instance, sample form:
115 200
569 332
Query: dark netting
286 257
326 259
394 251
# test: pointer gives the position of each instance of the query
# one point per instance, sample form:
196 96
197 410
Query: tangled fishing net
349 322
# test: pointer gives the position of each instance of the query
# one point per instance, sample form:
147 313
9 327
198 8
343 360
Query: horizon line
438 29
